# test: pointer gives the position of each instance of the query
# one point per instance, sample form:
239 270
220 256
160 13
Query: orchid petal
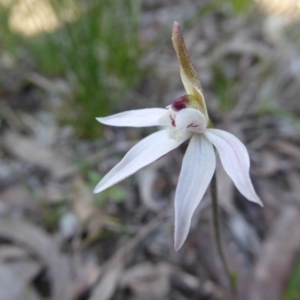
198 167
134 118
142 154
191 119
188 74
235 160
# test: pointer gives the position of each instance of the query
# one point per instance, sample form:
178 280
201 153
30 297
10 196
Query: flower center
182 122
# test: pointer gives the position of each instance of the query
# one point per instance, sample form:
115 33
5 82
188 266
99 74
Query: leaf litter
123 249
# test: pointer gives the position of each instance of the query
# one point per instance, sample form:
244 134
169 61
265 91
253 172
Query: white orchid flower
186 118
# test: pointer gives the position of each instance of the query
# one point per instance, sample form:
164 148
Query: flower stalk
232 277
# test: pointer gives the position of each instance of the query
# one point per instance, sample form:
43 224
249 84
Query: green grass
293 287
97 52
115 193
224 87
241 7
267 108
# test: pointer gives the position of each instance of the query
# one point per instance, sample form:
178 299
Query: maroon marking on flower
172 121
192 125
180 103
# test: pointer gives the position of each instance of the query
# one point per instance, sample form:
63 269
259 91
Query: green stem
215 212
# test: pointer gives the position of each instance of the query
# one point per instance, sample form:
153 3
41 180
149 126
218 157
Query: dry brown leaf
109 281
54 193
287 148
117 261
275 261
185 280
293 178
86 271
44 247
19 265
24 270
27 150
83 200
88 214
270 164
271 194
11 252
148 281
19 199
225 189
11 287
146 178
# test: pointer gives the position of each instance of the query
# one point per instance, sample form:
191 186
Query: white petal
142 154
191 119
235 160
198 167
134 118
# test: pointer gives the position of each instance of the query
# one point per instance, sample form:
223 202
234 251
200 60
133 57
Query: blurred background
65 62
